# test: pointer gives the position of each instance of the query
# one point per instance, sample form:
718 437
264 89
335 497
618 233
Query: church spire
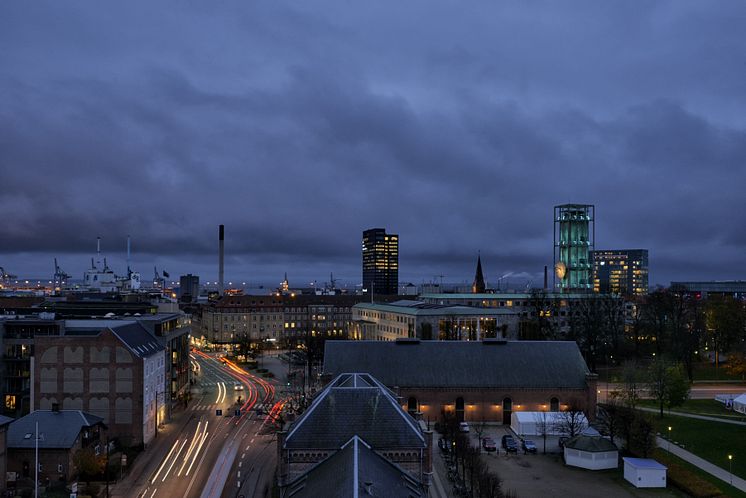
478 286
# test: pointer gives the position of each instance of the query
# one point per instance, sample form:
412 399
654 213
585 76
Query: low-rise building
417 319
61 434
472 380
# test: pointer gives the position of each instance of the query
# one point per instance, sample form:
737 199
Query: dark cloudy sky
458 125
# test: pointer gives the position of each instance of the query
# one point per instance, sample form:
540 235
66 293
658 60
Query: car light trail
194 458
165 460
175 458
192 445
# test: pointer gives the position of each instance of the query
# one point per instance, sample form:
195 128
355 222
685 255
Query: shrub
689 482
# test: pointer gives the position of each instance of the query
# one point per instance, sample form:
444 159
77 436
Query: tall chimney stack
221 239
546 277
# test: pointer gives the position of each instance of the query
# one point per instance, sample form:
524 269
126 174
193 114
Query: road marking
152 495
247 448
243 455
240 463
252 440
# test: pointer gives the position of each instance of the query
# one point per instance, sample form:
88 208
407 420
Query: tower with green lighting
574 236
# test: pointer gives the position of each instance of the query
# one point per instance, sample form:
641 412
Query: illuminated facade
622 272
574 235
380 262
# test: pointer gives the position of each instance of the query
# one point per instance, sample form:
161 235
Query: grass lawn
701 371
665 458
708 407
710 440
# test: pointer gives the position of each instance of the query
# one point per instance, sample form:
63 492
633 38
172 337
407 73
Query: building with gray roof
61 434
472 380
355 470
355 405
114 369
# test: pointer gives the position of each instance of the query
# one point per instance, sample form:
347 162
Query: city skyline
316 123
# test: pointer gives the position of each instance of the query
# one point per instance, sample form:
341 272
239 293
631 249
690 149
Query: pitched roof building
354 406
474 380
355 470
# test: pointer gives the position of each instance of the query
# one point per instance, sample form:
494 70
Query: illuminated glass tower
380 262
574 235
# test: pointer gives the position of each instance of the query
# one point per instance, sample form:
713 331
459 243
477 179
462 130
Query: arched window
412 404
554 405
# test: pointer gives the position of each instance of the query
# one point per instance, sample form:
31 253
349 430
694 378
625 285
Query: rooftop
355 470
354 405
57 429
420 308
463 364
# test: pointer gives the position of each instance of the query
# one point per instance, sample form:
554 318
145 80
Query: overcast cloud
458 125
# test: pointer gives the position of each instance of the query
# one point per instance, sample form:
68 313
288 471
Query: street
222 439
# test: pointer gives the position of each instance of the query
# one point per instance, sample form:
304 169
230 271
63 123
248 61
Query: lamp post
730 468
669 438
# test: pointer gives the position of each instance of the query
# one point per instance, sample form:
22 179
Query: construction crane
60 277
6 277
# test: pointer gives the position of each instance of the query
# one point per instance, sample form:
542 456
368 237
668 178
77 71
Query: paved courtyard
547 475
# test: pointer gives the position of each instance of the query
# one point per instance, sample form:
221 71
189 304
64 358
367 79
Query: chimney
221 241
427 464
546 277
56 407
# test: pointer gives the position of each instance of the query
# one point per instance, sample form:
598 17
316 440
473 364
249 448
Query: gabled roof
355 470
354 404
138 339
56 429
477 364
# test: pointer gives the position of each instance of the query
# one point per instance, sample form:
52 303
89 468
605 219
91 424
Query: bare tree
543 426
480 428
570 422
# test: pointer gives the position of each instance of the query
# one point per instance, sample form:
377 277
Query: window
10 401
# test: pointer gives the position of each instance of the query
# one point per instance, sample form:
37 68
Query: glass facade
574 235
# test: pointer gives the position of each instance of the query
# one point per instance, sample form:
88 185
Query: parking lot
546 475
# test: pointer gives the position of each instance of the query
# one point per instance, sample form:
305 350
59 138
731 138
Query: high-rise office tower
620 271
380 261
189 286
574 235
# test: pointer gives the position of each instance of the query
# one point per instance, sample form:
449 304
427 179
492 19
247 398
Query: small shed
530 423
739 403
593 452
644 472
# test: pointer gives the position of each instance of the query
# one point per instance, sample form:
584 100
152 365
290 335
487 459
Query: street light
730 468
669 438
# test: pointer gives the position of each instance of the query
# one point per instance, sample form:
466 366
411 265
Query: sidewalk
147 462
693 415
708 467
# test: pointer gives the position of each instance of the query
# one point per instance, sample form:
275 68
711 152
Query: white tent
530 423
592 452
644 472
739 403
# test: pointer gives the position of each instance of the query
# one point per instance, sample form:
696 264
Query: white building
591 452
644 472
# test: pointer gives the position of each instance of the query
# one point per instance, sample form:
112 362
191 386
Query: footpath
690 457
694 415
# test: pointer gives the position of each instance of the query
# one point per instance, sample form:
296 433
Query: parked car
509 444
463 427
489 444
528 446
